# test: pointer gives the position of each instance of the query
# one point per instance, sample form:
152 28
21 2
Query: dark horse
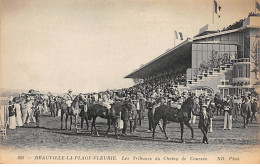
73 110
112 115
167 113
83 113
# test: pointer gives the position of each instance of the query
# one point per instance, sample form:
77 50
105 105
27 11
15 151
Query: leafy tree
256 67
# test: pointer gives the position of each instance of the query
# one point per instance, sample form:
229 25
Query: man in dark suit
149 106
210 111
218 103
254 110
142 106
246 110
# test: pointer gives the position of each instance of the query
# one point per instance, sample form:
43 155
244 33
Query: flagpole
174 38
213 12
255 6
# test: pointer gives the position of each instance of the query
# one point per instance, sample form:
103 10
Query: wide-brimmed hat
16 99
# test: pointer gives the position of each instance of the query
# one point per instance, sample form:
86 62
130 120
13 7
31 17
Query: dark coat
228 107
254 107
149 106
246 109
142 105
12 110
204 122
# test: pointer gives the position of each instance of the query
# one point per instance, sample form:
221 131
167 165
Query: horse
167 113
73 110
118 109
83 113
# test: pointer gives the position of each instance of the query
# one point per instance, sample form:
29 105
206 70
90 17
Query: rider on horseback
106 101
68 97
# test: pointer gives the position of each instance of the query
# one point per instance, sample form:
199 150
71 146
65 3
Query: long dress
18 114
12 119
30 113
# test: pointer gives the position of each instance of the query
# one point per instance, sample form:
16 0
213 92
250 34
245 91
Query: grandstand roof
178 57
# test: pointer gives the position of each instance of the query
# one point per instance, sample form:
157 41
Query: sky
90 46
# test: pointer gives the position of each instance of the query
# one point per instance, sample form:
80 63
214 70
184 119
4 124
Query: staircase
211 79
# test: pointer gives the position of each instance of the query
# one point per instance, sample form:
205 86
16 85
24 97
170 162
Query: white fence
3 114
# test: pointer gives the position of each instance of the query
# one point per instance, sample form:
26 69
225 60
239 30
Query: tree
254 56
215 61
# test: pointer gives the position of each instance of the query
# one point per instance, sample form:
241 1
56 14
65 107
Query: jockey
68 98
106 101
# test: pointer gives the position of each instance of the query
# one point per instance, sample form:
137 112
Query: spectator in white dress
18 113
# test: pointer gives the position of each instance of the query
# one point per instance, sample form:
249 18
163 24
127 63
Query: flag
181 37
176 35
257 5
219 8
216 6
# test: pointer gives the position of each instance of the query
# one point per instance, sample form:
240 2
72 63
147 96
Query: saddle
68 102
175 105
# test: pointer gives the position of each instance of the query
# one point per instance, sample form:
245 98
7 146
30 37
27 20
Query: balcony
241 61
241 79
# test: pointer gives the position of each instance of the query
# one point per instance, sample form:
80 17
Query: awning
177 58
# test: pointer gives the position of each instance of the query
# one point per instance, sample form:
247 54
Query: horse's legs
92 124
61 120
116 125
86 119
188 124
154 126
81 121
70 121
159 124
109 124
164 129
66 120
140 118
135 123
182 125
76 125
94 120
124 127
131 126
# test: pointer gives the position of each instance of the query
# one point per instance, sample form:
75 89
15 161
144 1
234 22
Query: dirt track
49 136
